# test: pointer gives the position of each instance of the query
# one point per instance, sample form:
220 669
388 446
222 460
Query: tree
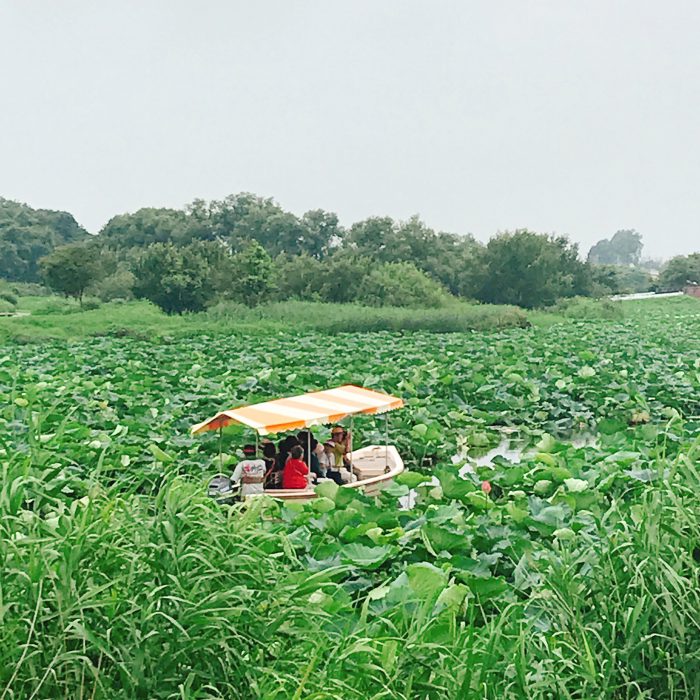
452 260
617 279
679 272
624 248
300 277
254 278
530 269
71 269
401 284
342 276
322 233
27 235
175 278
150 225
117 285
372 238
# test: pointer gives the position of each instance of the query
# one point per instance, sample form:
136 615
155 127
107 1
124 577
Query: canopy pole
308 453
348 444
220 441
386 441
256 444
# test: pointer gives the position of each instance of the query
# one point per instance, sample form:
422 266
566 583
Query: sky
561 116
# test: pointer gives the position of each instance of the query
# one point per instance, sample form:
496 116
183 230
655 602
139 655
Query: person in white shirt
326 460
250 473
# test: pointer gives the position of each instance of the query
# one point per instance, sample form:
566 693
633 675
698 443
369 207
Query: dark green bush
9 297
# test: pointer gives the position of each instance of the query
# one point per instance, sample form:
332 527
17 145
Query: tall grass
120 595
53 317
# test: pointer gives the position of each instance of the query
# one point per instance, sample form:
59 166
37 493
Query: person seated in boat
342 447
250 472
296 472
284 446
306 439
327 463
273 476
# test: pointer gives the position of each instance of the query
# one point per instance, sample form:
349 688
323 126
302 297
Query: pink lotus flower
486 487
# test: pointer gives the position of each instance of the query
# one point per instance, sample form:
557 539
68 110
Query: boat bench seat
369 466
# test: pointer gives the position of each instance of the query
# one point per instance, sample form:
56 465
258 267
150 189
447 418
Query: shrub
9 297
401 284
30 289
91 303
582 308
532 270
119 285
176 279
57 305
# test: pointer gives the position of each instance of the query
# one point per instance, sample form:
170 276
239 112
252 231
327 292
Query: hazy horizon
560 117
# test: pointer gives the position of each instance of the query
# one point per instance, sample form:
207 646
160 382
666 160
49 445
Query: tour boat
373 466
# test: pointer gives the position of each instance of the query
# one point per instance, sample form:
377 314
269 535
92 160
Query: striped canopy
296 412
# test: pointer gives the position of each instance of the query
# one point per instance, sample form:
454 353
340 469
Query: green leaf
327 489
487 588
452 597
159 454
412 479
425 579
323 504
575 485
365 557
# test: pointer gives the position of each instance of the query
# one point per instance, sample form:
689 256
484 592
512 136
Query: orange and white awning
297 412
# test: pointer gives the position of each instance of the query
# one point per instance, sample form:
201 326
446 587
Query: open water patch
510 449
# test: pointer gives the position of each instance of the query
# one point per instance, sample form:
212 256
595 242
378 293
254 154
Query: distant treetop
27 234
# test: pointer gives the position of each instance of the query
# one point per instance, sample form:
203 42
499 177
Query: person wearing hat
250 472
342 446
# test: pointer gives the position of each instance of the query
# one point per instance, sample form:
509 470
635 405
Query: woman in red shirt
295 470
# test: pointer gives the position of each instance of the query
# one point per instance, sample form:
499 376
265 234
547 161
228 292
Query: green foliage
352 318
148 226
29 289
71 269
624 248
581 308
680 271
175 278
118 285
91 303
8 297
253 275
454 261
27 235
400 284
576 576
343 274
530 269
616 279
299 277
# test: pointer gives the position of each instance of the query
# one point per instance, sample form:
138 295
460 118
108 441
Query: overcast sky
567 116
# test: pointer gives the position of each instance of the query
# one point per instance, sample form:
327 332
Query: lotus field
544 542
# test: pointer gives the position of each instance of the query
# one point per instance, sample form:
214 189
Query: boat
374 466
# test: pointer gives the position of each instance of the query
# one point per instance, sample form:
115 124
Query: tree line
247 249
